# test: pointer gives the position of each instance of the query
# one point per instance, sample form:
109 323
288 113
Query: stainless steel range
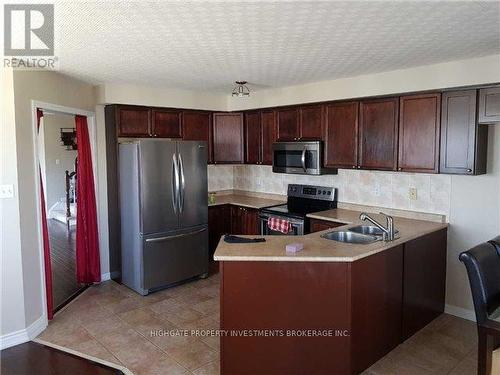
301 200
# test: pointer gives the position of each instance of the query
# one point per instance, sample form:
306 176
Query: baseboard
106 276
24 335
460 312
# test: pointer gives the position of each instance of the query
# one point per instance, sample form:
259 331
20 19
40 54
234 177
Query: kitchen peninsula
333 307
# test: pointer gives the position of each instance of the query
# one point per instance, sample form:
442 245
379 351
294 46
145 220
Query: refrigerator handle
182 184
175 182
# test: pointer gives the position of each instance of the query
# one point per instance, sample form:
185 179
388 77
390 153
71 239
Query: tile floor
111 322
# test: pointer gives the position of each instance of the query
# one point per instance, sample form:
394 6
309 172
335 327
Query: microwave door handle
303 159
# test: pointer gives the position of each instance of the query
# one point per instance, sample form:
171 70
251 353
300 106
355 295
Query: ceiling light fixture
241 90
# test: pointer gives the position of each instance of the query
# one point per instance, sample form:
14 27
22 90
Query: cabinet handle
354 166
359 166
400 169
469 170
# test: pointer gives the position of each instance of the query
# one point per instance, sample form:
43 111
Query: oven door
297 226
297 157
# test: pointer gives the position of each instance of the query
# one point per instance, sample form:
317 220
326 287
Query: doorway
58 162
65 147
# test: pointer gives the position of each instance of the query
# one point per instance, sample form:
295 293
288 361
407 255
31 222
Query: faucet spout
388 231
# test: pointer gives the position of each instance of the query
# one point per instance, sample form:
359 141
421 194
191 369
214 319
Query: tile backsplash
372 188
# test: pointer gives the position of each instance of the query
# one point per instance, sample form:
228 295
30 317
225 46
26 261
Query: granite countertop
317 249
245 201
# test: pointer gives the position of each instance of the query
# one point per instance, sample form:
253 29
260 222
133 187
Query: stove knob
324 192
329 193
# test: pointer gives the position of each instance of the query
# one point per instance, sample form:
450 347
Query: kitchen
323 217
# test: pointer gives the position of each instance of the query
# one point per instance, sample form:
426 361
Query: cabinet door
196 127
268 122
489 105
250 221
378 130
288 124
253 138
133 121
311 122
419 127
236 220
228 138
166 124
463 142
219 223
341 136
319 225
424 283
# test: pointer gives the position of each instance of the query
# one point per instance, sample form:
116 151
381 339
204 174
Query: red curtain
45 234
88 266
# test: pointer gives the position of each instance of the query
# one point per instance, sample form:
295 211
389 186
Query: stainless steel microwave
300 158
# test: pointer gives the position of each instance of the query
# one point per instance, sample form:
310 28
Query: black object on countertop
229 238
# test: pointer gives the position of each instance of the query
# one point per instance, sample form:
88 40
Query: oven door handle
303 159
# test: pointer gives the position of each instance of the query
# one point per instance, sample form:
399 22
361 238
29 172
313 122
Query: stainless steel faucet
387 232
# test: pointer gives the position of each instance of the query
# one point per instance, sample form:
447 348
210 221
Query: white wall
12 317
451 74
160 97
474 218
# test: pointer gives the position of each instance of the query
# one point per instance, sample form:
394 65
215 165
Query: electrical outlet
412 193
6 191
376 190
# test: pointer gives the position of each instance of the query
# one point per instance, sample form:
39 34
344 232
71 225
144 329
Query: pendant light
241 90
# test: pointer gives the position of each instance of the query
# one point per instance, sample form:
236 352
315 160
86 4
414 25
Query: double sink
361 234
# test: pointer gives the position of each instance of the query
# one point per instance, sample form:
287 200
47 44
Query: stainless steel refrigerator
163 211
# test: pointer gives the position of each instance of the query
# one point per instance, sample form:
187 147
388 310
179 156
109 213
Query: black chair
483 267
496 242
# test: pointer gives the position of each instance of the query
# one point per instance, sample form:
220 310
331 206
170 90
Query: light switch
6 191
412 193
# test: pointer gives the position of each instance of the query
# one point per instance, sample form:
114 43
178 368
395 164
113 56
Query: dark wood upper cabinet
463 142
133 121
166 123
378 132
419 128
268 123
341 135
312 121
489 105
228 138
196 127
253 138
288 124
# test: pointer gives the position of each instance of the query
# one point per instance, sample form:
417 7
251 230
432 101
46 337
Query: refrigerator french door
164 212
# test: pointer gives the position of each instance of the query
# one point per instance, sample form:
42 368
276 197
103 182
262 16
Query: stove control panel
312 192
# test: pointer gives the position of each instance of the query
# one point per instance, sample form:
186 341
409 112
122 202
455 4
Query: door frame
91 122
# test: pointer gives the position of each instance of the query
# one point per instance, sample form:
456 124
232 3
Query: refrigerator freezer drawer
173 258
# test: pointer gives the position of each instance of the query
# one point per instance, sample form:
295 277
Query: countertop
245 201
317 249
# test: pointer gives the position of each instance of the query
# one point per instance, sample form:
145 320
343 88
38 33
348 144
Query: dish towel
279 225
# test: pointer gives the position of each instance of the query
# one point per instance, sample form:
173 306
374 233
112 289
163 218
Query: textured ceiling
208 45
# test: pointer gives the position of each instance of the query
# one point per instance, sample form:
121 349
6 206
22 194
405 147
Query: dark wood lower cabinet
219 223
358 310
244 220
424 283
316 225
231 219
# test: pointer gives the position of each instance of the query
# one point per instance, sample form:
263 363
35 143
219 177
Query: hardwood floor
63 260
33 358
